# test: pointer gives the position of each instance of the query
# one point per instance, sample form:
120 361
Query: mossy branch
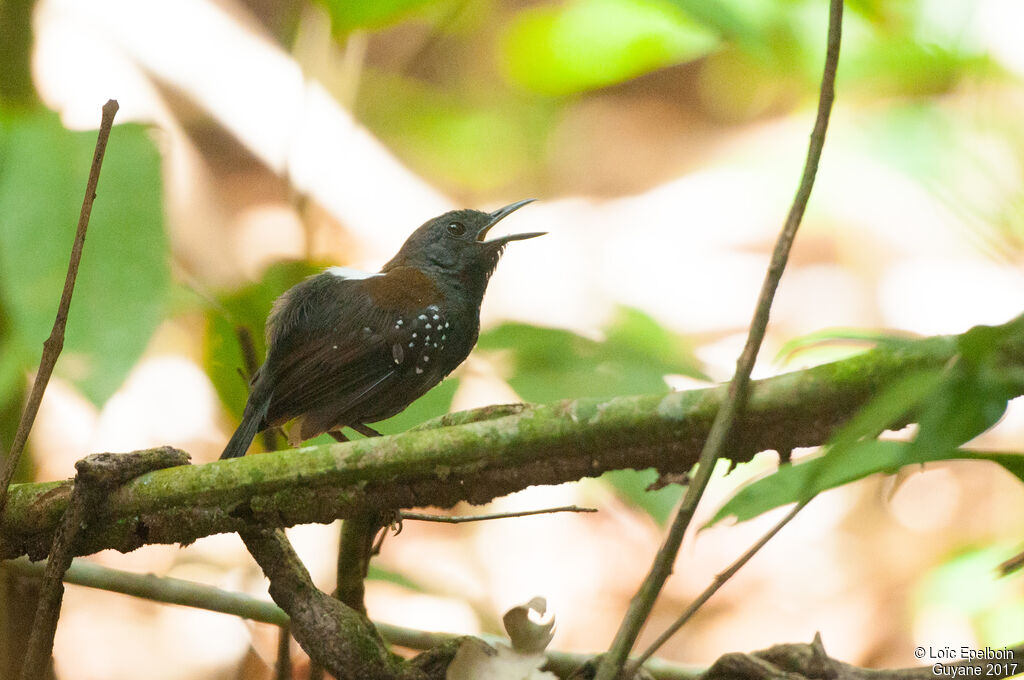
472 461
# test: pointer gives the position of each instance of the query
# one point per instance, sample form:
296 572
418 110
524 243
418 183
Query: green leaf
795 483
452 134
124 278
378 573
548 364
981 343
632 485
852 340
893 404
744 22
586 44
965 404
967 588
436 402
951 406
246 308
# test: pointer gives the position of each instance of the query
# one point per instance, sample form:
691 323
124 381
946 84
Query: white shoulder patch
350 273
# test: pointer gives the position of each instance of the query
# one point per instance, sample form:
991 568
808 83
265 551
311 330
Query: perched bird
347 348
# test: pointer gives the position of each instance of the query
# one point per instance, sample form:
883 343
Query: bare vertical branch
55 343
718 438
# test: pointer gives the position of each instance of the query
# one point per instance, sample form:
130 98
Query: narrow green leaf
893 404
964 405
378 573
795 483
855 338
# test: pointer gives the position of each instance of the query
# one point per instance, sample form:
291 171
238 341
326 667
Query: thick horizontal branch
473 461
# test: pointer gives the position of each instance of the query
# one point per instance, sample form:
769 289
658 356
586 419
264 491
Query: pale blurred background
664 139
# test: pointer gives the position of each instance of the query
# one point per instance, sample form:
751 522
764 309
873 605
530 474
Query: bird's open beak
499 215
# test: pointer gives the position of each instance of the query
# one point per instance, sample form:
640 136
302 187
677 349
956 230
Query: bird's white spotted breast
421 339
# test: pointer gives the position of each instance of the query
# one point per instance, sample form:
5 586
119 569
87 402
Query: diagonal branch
475 462
339 638
55 343
714 587
719 438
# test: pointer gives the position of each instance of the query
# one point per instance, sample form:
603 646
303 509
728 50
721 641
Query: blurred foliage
523 70
955 160
634 356
833 344
16 87
124 277
963 588
583 44
348 16
462 138
952 406
548 364
246 308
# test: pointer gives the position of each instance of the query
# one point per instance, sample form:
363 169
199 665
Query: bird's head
455 244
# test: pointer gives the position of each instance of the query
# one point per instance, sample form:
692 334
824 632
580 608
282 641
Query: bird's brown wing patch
402 290
329 351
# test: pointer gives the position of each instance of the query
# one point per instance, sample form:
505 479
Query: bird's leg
365 430
338 435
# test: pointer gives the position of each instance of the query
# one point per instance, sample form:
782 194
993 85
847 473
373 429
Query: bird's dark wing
328 352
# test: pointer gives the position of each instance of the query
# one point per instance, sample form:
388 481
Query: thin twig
165 589
718 438
283 665
717 583
175 591
496 515
55 343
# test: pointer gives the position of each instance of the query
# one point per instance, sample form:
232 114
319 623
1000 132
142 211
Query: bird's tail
252 422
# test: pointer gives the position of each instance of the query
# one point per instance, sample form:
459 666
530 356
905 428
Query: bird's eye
456 228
